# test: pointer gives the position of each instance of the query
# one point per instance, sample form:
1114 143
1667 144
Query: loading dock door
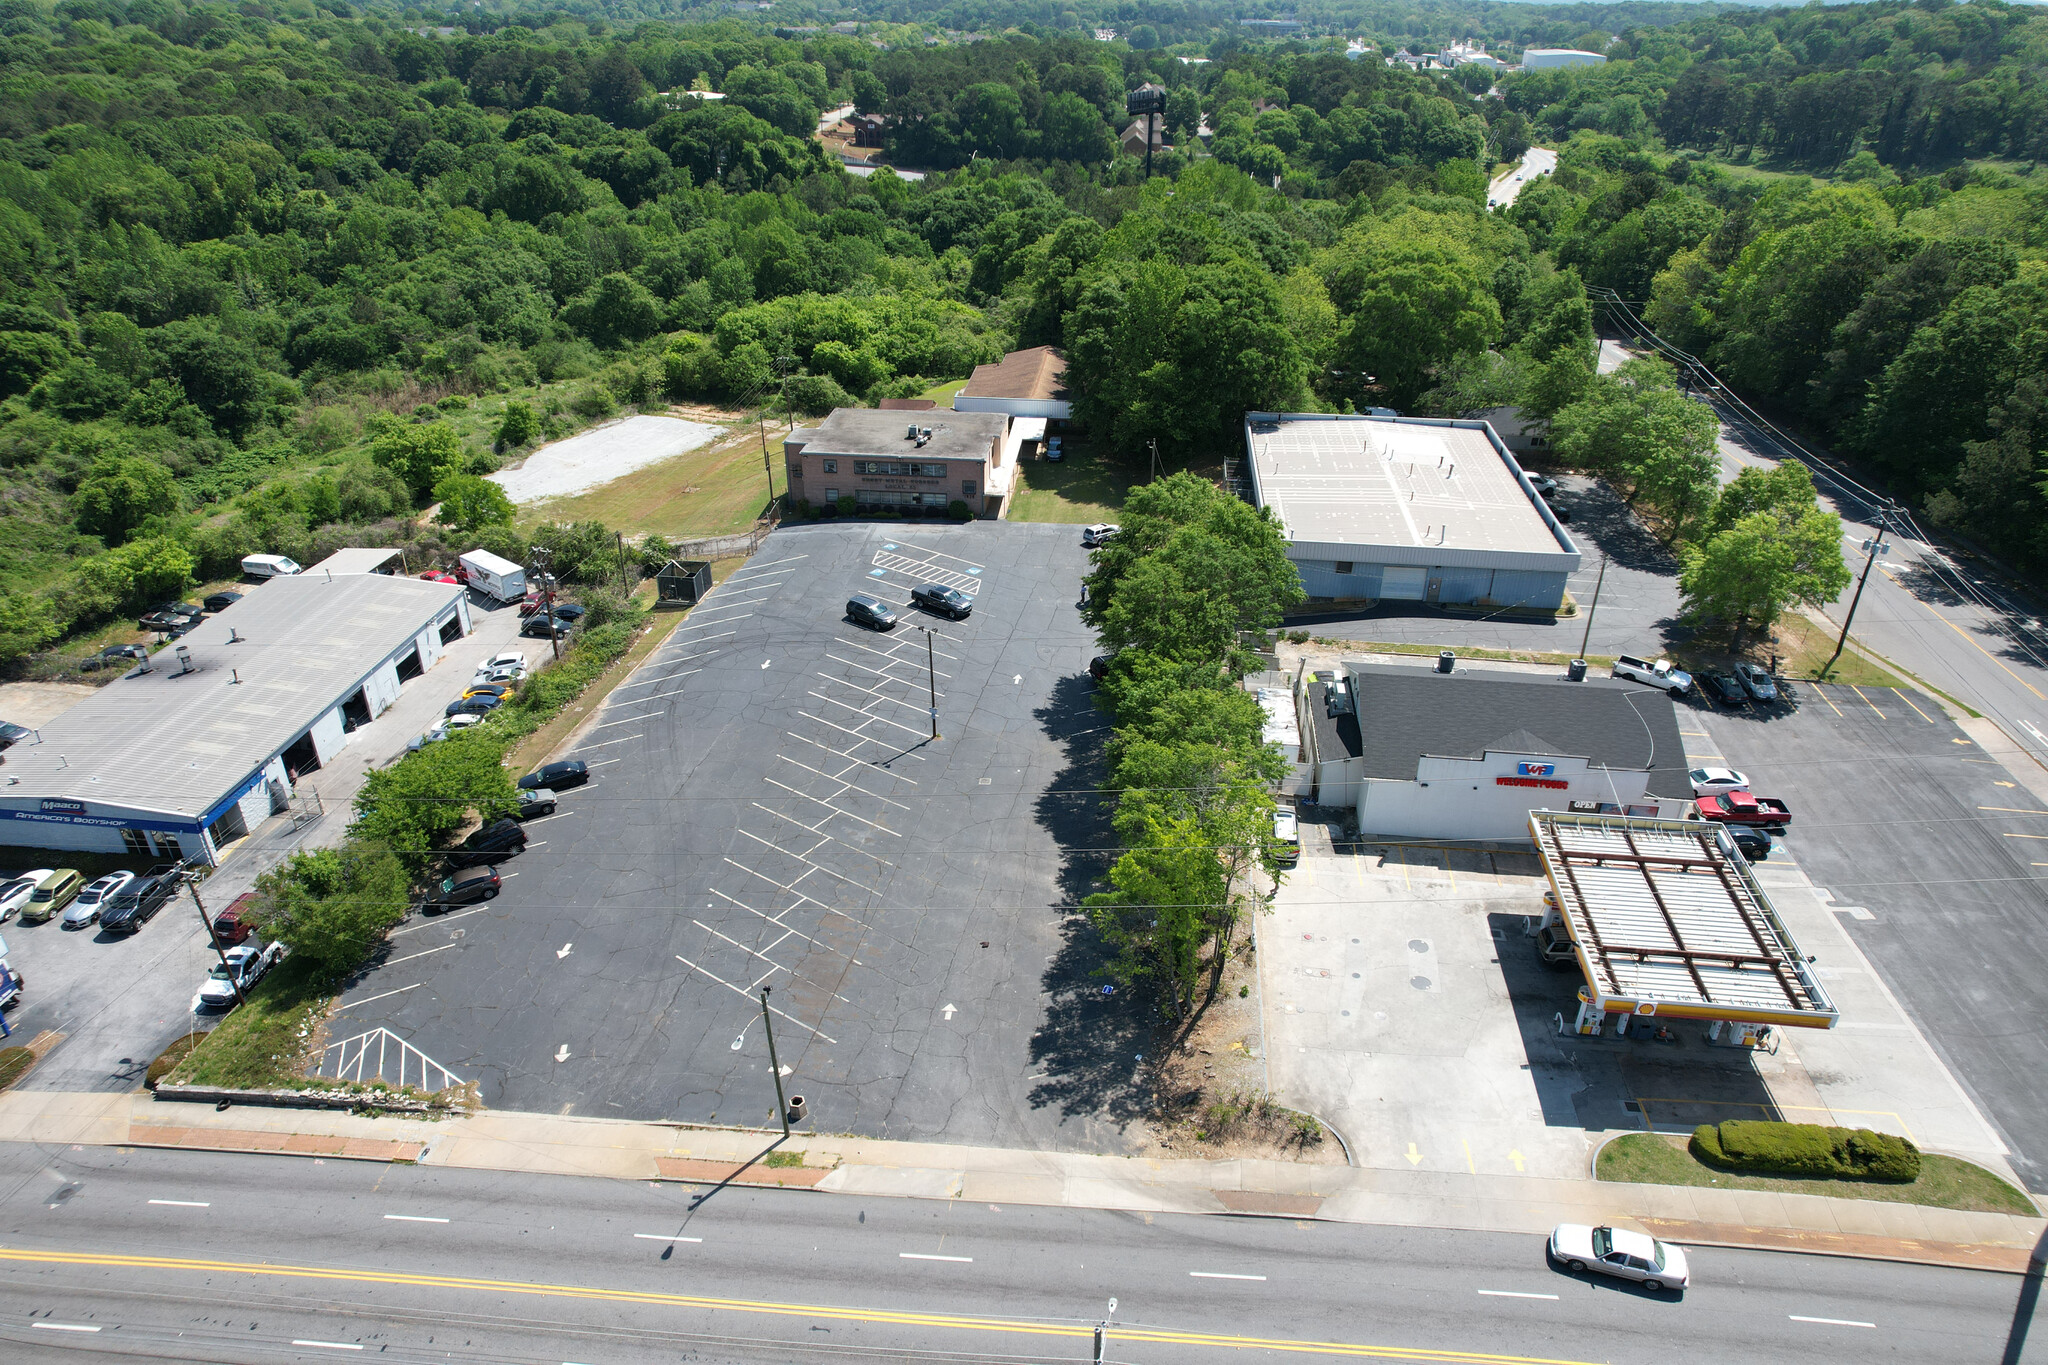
1401 583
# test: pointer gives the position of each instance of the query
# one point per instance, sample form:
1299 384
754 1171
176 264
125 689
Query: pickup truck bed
1741 808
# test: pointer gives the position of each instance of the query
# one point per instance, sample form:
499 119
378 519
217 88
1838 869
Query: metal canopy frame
1667 918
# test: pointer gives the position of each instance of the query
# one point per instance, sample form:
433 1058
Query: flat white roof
178 743
1666 914
1406 483
354 560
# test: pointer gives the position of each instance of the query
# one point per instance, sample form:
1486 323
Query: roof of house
354 560
1407 713
179 742
907 405
1037 373
1413 483
871 431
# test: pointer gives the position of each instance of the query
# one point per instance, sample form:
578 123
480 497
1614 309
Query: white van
268 566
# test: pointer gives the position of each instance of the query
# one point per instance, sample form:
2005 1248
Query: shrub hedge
1761 1147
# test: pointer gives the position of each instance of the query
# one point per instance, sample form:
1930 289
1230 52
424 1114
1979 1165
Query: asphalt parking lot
1936 860
767 808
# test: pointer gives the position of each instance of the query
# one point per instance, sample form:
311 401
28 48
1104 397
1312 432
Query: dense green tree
332 905
420 454
469 503
418 803
1636 427
121 493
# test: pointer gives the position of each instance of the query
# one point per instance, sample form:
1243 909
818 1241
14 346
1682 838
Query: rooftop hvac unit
911 435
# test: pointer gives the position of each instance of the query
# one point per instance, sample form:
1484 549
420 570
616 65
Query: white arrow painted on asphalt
766 662
1019 678
948 1012
562 1053
563 951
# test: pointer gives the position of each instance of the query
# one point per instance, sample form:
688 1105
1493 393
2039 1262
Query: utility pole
1587 638
1873 547
541 559
931 678
781 1108
1153 446
191 880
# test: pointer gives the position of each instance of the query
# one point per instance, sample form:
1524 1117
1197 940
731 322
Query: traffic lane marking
664 1237
1074 1331
1513 1294
1831 1322
1967 636
1221 1275
64 1327
183 1203
922 1256
411 1218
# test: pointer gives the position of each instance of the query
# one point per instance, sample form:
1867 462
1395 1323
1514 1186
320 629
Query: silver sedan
1618 1252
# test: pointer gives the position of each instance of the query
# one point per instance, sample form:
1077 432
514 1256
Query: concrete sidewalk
550 1145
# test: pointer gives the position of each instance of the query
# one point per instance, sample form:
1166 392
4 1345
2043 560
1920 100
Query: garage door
1402 584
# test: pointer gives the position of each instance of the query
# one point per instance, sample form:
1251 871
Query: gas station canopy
1666 918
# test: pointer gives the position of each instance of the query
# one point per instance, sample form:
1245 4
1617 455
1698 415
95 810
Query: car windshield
1603 1241
220 972
1657 1259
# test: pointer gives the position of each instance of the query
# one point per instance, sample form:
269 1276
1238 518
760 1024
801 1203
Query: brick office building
920 461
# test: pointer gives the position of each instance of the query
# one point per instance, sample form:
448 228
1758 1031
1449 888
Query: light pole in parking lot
931 678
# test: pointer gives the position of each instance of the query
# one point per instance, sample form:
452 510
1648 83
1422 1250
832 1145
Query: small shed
683 580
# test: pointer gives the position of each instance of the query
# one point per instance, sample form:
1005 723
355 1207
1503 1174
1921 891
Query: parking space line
887 654
1822 694
878 672
1511 1294
728 620
428 953
941 554
865 739
1831 1322
790 929
2013 810
1221 1275
182 1203
1900 693
834 809
664 1237
843 782
600 763
1866 701
2026 836
657 696
673 641
778 967
385 996
812 864
438 919
921 704
624 739
742 992
834 701
896 642
628 720
759 568
837 754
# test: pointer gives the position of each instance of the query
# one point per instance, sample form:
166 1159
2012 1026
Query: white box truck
268 566
492 576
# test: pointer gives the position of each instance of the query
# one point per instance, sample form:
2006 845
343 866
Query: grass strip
1945 1182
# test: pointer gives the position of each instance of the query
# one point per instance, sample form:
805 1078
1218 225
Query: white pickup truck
1657 673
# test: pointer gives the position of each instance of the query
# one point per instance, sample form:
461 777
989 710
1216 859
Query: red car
229 926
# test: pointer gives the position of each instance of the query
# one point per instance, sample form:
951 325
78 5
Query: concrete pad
1012 1187
593 458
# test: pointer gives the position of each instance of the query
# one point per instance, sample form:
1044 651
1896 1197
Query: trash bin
1446 661
1575 671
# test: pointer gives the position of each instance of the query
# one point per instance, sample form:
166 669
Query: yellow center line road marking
878 1316
1866 701
1974 645
2027 836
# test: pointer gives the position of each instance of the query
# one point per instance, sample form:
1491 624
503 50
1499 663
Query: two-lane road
193 1256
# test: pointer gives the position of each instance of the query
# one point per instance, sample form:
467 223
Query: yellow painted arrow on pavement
1414 1157
1516 1157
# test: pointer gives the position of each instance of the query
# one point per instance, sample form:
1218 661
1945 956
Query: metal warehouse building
195 747
1407 509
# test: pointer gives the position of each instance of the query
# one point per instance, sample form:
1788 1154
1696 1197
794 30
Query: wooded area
277 277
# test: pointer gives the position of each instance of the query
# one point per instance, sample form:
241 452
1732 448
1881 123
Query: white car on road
1714 781
1616 1251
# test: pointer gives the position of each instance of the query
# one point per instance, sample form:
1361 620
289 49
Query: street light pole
931 678
781 1107
1875 547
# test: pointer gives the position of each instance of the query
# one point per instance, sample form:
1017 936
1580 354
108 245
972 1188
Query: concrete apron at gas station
1403 1006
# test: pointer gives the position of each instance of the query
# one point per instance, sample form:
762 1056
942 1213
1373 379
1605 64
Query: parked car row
868 610
1746 683
120 902
473 876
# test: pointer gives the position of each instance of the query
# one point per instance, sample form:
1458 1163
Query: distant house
1028 383
1133 138
868 129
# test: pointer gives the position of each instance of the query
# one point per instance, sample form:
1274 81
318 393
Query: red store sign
1547 783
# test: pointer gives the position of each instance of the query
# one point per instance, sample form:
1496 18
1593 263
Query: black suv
559 776
113 656
1752 844
943 601
135 903
868 611
501 838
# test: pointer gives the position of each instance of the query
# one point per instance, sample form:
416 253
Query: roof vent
184 660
